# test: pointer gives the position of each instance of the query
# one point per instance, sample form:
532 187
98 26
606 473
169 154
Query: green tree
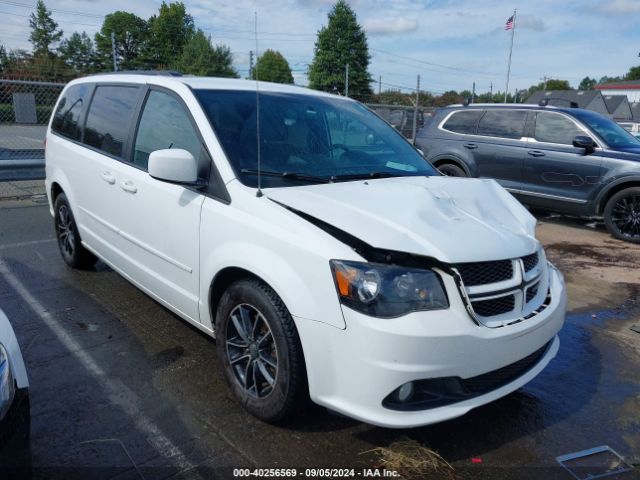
44 30
200 57
587 83
130 36
342 42
633 73
271 66
552 84
169 32
78 53
4 59
392 97
447 98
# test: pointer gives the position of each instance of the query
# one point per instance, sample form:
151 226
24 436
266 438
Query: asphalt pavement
122 388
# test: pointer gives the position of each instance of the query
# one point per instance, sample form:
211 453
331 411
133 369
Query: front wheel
259 351
622 215
69 243
451 170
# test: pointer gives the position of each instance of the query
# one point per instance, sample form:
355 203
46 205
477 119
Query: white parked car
325 255
15 416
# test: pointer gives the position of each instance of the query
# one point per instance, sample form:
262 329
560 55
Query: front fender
308 292
613 183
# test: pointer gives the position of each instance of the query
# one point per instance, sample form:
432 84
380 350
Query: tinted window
67 116
109 118
164 124
611 132
312 135
555 128
503 123
463 122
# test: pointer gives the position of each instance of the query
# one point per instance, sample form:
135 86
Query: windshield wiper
360 176
286 175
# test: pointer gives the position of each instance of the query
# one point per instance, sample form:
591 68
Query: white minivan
328 259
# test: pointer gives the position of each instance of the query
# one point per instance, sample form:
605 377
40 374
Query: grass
413 461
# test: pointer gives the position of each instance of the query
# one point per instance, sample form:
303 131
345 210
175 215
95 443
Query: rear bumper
352 371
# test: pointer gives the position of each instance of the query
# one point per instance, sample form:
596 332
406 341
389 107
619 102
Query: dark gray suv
563 159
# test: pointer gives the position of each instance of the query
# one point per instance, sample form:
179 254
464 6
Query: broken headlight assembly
7 386
387 291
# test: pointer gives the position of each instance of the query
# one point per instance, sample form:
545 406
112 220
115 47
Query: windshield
307 138
609 131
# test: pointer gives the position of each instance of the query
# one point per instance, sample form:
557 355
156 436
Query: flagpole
513 31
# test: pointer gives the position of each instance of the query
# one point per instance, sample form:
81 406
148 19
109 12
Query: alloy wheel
251 350
66 235
625 216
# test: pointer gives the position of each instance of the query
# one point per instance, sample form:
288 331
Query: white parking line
26 244
117 392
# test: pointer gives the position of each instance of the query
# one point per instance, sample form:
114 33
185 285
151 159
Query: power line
68 12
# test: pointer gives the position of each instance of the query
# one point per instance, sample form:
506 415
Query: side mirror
584 141
173 165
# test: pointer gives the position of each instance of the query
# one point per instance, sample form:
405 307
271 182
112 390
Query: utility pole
415 112
491 93
473 93
251 64
346 80
544 79
379 84
113 51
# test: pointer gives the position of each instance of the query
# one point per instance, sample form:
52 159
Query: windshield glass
609 131
307 138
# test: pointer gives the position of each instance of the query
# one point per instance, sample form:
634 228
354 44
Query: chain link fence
25 108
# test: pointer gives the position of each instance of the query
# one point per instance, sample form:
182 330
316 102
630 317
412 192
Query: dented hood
452 219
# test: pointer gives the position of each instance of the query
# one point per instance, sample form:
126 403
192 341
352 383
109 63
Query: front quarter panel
290 254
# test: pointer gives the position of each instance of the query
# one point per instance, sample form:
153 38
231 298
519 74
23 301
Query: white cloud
529 22
390 26
620 6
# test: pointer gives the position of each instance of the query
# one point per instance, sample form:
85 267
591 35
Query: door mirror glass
584 141
173 165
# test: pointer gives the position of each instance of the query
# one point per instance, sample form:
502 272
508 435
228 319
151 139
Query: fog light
405 392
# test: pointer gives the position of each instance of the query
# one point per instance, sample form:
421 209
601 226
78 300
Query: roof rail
161 73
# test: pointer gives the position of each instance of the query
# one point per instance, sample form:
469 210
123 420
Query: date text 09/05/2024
314 473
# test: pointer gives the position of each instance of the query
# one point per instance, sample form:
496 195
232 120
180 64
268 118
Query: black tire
69 243
451 170
250 301
622 215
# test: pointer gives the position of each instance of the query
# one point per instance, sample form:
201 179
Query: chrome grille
494 306
530 262
532 291
483 273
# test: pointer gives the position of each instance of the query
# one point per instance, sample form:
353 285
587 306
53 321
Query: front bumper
15 437
352 371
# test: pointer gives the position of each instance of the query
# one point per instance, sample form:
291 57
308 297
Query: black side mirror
584 141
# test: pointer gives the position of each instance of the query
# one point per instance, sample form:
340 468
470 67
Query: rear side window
164 124
67 116
463 122
109 118
503 123
555 128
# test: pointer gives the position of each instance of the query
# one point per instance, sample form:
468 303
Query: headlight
7 386
386 291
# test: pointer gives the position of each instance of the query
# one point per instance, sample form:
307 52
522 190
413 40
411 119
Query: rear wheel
69 243
259 351
622 215
451 170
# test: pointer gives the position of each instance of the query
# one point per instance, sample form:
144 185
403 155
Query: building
588 99
630 88
618 107
635 110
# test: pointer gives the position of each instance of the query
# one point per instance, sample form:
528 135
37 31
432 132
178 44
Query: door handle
128 186
108 177
536 153
470 146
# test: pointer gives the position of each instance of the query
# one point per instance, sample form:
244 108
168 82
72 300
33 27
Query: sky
450 43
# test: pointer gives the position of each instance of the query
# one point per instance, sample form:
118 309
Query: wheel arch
614 188
452 160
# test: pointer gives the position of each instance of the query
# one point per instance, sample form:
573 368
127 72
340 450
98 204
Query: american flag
509 24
